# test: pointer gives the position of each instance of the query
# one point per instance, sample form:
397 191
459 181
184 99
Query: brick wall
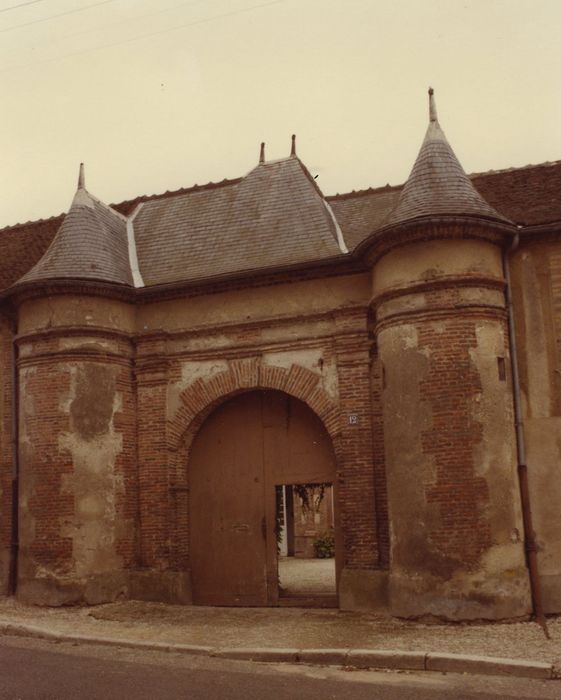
153 467
450 387
77 452
379 459
6 452
450 448
555 272
352 441
126 466
356 464
46 507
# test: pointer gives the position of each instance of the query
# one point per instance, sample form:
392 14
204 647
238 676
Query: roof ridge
367 190
33 222
176 193
513 168
108 207
389 188
232 181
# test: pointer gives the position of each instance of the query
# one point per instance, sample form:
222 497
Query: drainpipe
529 534
14 545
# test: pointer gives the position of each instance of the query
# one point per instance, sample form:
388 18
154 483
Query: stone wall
536 272
77 446
409 370
456 531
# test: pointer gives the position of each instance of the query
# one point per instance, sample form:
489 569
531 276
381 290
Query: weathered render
167 362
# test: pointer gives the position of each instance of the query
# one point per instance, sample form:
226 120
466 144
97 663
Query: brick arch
201 397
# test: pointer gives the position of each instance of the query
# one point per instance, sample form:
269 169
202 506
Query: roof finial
293 147
81 178
262 153
432 106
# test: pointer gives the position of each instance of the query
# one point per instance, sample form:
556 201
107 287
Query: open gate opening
306 545
249 450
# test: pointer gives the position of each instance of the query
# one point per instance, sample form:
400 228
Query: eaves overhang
425 228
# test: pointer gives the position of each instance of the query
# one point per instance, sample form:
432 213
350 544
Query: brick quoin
355 468
379 461
153 466
124 422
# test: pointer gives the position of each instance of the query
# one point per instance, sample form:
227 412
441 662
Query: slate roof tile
274 216
437 184
208 230
91 244
362 213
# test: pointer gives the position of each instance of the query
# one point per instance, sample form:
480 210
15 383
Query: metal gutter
529 534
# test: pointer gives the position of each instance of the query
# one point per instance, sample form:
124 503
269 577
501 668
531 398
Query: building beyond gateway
167 363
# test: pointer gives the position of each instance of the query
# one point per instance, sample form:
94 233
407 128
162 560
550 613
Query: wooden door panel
297 446
226 488
246 447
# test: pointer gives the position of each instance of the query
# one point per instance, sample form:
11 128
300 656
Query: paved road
40 670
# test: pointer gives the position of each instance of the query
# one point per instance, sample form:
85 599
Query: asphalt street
41 670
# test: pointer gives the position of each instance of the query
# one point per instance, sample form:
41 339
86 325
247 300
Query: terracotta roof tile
23 246
528 196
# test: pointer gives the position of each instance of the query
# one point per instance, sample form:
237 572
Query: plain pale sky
154 95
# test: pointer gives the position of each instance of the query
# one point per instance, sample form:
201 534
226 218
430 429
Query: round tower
441 329
77 501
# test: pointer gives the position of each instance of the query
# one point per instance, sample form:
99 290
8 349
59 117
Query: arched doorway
245 450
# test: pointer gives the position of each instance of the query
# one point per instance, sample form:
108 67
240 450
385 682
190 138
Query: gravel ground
307 576
292 627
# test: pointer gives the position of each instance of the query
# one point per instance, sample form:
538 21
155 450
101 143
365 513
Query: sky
154 95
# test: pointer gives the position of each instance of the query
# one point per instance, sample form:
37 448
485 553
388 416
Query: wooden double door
245 448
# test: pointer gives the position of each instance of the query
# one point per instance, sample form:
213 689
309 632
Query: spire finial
262 153
81 178
293 147
432 106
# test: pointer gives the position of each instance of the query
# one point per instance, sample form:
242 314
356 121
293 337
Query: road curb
357 658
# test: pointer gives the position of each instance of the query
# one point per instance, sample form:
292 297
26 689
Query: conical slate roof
438 184
91 244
